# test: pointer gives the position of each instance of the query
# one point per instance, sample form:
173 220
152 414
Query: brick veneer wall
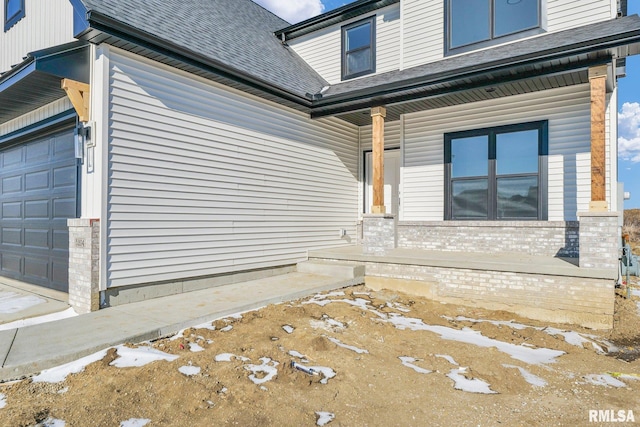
545 238
84 264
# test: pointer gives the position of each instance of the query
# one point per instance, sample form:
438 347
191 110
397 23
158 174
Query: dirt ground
529 375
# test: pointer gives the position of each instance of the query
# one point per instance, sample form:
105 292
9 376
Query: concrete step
334 269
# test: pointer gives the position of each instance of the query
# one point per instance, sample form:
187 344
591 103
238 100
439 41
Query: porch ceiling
449 95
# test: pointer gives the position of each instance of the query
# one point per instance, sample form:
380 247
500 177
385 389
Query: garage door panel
39 193
11 210
37 180
11 236
12 184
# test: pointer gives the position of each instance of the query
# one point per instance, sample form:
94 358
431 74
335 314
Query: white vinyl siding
46 23
424 31
322 50
36 116
569 165
206 180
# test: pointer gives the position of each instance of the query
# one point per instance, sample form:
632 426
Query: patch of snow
38 320
288 329
448 359
509 323
51 422
533 356
12 302
3 400
327 373
474 385
532 379
177 336
268 367
296 354
635 292
135 422
189 370
236 316
324 418
63 391
60 373
140 356
368 294
227 357
408 362
194 347
348 347
207 325
604 380
226 328
333 322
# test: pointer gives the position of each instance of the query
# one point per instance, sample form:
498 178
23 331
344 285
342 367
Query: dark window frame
372 46
492 177
493 40
10 21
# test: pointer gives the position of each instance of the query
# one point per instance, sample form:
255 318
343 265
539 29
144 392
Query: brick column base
84 264
378 234
599 240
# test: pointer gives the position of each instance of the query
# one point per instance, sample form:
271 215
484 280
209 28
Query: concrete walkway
28 350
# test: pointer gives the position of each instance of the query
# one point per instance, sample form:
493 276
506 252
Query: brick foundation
378 233
84 264
599 240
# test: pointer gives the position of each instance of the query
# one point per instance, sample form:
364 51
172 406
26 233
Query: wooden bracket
79 94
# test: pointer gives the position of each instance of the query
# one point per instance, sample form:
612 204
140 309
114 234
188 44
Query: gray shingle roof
589 37
238 33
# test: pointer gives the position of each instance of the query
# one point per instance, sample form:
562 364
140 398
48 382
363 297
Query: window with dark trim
358 48
472 24
497 173
13 12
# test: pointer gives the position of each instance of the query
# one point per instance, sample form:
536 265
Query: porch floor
502 262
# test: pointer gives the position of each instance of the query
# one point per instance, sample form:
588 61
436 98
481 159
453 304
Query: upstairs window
358 48
475 23
13 12
497 173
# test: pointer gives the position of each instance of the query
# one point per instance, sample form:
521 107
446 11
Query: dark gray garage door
38 193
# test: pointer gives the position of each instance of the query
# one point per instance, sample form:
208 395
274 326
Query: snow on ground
571 337
528 376
532 356
195 348
327 373
348 347
60 373
226 328
189 370
288 329
448 359
324 418
51 422
227 357
12 302
135 422
40 319
268 368
297 354
604 380
139 356
3 400
474 385
408 362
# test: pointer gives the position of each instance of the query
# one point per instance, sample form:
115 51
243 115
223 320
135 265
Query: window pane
469 156
470 21
518 197
517 152
359 36
470 199
358 61
512 16
13 7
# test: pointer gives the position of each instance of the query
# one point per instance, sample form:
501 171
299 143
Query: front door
391 181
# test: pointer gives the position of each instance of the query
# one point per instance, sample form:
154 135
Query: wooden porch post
598 82
377 116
